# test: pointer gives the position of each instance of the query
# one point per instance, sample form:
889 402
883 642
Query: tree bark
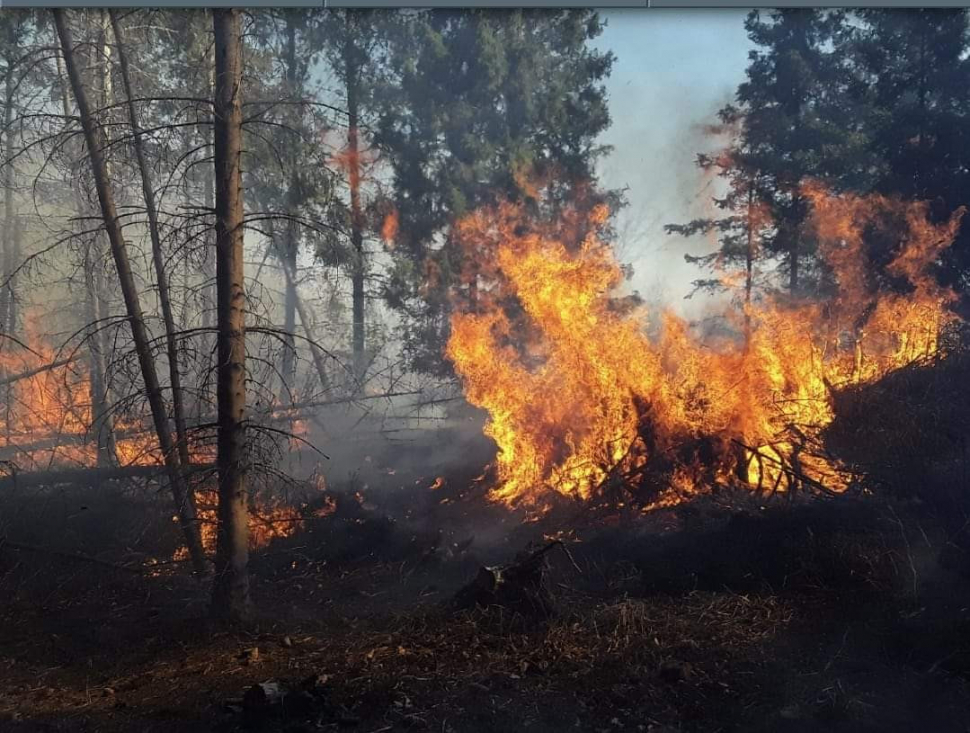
161 277
352 82
288 255
793 264
102 421
7 294
749 267
318 362
208 261
230 594
95 141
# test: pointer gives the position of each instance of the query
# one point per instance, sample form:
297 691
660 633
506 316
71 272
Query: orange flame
578 392
389 228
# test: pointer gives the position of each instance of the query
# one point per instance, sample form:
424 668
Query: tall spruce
790 104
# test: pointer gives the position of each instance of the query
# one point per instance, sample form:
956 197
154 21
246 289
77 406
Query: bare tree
94 138
230 594
102 420
161 278
352 64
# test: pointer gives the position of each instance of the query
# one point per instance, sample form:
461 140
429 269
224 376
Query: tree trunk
749 267
307 329
102 421
158 260
209 260
13 311
230 595
288 252
95 141
794 235
352 81
7 294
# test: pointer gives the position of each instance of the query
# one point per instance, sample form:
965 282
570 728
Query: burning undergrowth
587 396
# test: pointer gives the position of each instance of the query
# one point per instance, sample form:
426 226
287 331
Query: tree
913 75
158 258
230 594
293 192
740 230
96 143
354 41
482 106
15 27
794 122
102 423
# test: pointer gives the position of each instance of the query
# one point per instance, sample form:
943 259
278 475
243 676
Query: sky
674 69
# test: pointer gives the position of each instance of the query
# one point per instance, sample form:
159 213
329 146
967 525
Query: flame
267 522
389 228
581 394
48 419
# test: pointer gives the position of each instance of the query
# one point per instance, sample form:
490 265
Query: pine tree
484 106
795 121
913 76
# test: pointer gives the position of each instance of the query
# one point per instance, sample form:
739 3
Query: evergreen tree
794 121
484 106
913 77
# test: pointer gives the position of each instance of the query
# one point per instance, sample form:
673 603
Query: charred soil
721 616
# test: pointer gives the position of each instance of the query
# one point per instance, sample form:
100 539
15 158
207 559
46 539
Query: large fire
580 388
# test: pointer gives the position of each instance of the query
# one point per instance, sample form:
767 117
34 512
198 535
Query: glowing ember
577 391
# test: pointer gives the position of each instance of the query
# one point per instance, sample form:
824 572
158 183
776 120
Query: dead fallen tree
34 372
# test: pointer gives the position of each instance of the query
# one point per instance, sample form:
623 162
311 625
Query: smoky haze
674 69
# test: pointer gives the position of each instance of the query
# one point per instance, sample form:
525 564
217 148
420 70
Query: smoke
663 96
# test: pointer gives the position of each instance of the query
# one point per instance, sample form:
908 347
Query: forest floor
826 617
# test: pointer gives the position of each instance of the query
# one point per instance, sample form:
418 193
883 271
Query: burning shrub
580 396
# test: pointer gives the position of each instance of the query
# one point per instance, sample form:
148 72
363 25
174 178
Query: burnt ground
719 616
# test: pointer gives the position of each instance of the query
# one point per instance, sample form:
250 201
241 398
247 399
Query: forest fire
580 392
49 419
351 378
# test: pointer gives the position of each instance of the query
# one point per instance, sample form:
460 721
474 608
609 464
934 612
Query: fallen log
86 475
34 372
